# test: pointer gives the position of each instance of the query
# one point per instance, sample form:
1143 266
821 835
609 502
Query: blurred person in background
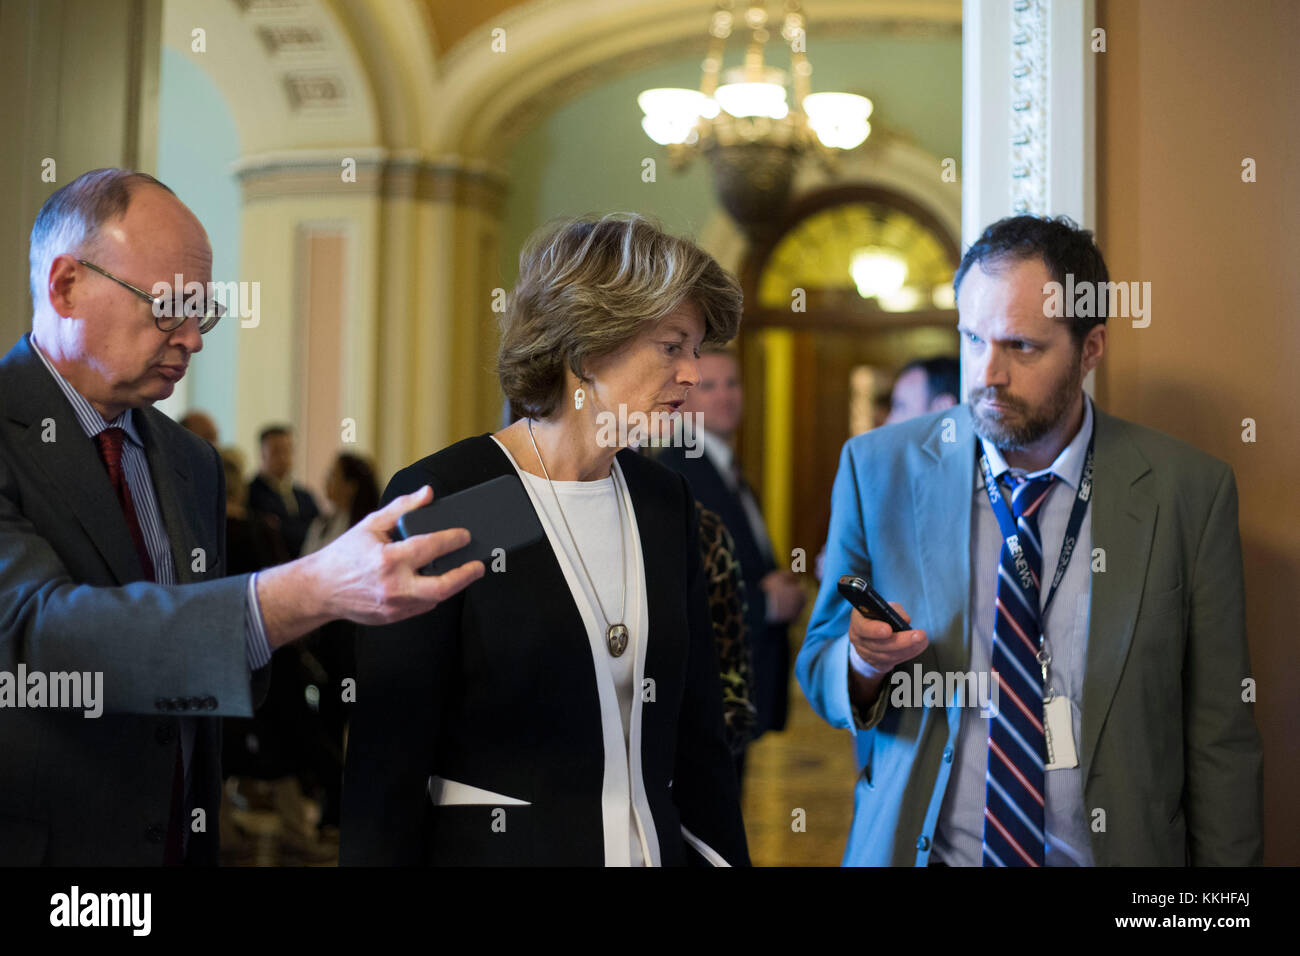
201 424
252 542
273 491
921 386
353 493
727 608
774 596
295 741
924 386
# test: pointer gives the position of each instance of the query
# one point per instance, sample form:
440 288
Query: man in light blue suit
1094 594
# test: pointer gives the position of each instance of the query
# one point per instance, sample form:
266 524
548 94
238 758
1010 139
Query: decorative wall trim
314 90
1030 66
290 38
301 44
390 177
1028 111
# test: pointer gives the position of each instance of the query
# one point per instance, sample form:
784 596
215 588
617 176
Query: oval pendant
616 637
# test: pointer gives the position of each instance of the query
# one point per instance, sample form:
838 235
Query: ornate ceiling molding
556 49
286 68
535 108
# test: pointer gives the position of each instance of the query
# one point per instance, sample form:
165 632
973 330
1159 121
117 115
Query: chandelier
743 121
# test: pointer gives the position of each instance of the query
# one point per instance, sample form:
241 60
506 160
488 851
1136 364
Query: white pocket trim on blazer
449 793
703 849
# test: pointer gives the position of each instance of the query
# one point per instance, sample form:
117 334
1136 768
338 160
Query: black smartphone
497 513
859 592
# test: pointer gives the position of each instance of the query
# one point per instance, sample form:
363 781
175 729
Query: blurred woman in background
353 493
328 657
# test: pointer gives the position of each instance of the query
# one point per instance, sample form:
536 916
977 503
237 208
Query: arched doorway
857 282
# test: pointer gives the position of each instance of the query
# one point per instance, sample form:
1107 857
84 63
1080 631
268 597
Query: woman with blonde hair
566 710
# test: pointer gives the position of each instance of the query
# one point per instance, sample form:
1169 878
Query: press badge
1059 734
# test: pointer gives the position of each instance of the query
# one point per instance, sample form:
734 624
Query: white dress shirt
723 458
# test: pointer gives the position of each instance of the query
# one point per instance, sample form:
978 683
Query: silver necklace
615 634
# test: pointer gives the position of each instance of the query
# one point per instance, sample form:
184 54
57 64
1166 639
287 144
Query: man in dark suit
773 596
112 550
273 493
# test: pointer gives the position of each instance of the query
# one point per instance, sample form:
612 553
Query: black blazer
96 792
496 688
770 643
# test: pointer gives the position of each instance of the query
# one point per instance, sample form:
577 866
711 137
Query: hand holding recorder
879 633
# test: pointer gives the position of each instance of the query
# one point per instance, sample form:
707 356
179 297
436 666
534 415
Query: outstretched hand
376 580
363 576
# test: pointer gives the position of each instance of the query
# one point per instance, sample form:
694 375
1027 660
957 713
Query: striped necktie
1013 799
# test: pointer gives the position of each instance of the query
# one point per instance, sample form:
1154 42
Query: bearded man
1085 569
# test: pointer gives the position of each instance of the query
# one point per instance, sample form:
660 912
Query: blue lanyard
1007 522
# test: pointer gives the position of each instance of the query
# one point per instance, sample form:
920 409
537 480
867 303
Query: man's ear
60 283
1094 346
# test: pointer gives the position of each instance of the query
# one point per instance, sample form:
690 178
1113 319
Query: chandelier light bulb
671 114
773 123
753 99
839 119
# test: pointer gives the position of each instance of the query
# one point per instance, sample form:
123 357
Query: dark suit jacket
496 689
293 528
770 642
91 792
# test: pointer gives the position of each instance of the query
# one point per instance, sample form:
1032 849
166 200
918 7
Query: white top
591 510
324 529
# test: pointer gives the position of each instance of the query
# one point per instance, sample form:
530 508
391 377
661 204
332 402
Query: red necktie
110 450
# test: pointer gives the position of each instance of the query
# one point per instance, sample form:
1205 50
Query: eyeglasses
169 312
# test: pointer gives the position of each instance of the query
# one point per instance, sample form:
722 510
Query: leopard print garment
727 614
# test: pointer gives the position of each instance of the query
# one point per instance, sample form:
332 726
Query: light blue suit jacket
1169 752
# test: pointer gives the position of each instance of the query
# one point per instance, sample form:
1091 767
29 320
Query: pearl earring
579 396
